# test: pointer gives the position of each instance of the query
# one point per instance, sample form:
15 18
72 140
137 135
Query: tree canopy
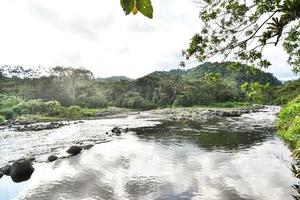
240 30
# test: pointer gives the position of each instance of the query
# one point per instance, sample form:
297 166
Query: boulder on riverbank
74 150
21 170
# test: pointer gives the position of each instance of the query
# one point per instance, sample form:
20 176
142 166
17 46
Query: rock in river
52 158
21 170
74 150
1 174
5 170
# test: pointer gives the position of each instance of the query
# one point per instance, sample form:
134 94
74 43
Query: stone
52 158
74 150
21 170
6 170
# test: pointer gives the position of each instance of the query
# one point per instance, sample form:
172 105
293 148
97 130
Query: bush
9 101
75 112
7 113
2 119
288 123
38 107
133 100
92 102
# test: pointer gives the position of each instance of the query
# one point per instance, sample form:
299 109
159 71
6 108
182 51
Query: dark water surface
232 158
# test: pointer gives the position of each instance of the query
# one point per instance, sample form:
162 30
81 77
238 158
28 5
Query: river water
231 158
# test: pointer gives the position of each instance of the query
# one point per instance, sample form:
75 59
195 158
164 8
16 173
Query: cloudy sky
96 35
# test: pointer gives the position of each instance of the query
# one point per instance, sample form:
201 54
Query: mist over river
225 158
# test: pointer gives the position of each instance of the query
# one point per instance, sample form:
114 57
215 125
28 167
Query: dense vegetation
289 123
12 107
206 84
67 92
287 92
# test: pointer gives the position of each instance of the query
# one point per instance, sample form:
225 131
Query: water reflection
213 135
170 161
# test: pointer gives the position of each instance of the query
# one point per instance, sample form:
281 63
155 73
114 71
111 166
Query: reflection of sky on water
135 167
131 168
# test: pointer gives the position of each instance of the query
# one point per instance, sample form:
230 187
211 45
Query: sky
95 34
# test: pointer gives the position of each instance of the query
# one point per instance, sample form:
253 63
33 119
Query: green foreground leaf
127 6
143 6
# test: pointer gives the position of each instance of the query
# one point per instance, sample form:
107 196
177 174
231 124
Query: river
238 158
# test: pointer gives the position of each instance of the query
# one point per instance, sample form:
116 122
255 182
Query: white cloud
95 34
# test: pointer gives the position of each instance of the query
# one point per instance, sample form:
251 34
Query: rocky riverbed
204 114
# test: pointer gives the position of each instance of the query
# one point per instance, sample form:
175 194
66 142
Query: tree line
206 84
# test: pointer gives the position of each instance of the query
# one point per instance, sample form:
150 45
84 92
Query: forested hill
239 75
113 79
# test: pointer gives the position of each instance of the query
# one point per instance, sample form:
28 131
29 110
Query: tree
240 30
256 92
70 80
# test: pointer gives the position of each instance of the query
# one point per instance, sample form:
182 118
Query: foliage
37 106
205 84
7 113
240 30
75 112
135 6
12 107
256 92
229 71
133 100
6 105
9 101
289 123
285 93
2 119
205 92
92 101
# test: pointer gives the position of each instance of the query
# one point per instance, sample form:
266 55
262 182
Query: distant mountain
239 75
113 79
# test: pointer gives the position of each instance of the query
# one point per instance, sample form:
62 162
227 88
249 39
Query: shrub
2 119
92 101
75 112
9 101
133 100
7 113
288 123
38 107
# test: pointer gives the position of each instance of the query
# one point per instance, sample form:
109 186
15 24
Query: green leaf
127 6
145 7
